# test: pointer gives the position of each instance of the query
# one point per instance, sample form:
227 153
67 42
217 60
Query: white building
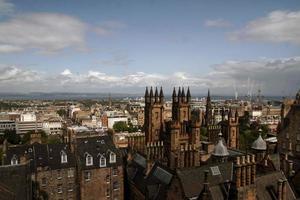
28 117
52 126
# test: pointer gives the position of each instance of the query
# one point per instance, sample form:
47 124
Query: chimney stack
238 172
279 189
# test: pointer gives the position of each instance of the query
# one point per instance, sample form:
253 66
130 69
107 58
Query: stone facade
175 142
103 183
289 136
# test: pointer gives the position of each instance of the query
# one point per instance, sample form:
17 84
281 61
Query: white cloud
274 76
15 74
6 7
66 72
220 23
277 26
46 32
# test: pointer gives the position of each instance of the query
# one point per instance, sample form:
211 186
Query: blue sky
123 46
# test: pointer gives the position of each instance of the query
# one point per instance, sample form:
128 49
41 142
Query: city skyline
113 46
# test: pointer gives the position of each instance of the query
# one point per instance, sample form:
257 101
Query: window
298 136
115 185
70 187
102 161
44 181
59 188
14 160
70 173
107 192
88 160
107 178
115 171
112 158
59 174
87 175
298 147
156 115
64 158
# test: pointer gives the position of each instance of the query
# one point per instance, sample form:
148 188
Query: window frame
101 159
88 160
112 157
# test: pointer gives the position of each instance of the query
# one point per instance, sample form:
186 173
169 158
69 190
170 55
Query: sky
123 46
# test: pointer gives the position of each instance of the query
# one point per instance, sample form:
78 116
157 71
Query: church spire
146 95
174 96
188 95
179 94
182 95
156 95
161 95
151 94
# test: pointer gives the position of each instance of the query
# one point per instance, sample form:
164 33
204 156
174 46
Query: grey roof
97 146
42 155
192 178
220 149
259 144
267 184
15 182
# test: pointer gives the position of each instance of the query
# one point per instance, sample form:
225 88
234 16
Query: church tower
154 109
208 112
232 132
181 105
183 134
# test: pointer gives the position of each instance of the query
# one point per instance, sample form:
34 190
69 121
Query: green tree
120 126
53 139
27 136
11 136
62 112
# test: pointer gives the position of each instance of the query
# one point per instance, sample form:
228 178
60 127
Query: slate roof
267 183
96 147
15 182
153 185
42 155
192 178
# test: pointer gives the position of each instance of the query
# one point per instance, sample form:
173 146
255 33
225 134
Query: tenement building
89 168
100 171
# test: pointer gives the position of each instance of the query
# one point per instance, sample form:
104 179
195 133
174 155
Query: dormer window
64 158
14 160
102 161
88 160
112 157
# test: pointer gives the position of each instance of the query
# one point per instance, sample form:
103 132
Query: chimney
279 189
238 172
243 181
253 170
290 168
248 180
284 187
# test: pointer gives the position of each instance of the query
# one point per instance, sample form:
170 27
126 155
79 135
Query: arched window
14 160
112 157
102 161
88 160
64 157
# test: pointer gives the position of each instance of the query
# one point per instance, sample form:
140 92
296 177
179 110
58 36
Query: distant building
7 125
